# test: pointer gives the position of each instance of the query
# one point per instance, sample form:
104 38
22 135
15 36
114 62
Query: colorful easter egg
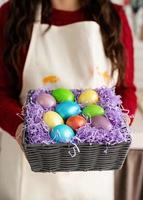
62 94
88 97
62 133
67 109
52 119
76 122
46 100
101 122
93 110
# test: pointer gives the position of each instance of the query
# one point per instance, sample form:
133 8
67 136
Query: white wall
138 47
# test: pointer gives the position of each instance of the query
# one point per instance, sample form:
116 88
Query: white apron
70 56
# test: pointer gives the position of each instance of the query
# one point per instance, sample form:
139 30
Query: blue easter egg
62 133
67 109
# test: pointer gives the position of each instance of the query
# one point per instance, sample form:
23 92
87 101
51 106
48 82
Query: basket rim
24 144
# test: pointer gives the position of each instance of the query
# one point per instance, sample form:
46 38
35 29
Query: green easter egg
93 110
62 94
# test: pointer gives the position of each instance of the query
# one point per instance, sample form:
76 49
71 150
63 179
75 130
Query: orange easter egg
76 122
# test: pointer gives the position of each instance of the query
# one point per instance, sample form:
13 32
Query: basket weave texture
57 158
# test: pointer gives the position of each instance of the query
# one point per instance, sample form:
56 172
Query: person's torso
69 56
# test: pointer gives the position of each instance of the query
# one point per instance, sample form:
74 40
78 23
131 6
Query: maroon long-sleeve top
9 103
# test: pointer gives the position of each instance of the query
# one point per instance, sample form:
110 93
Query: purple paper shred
37 132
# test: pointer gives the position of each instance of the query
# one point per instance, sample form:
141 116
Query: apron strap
38 15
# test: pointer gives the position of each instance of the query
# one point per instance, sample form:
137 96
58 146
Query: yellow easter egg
52 119
88 97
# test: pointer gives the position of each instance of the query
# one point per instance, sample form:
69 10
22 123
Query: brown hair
22 16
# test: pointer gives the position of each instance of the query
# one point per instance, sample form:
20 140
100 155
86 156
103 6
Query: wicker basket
59 157
56 157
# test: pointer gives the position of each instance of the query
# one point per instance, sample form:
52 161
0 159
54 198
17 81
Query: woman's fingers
18 135
127 118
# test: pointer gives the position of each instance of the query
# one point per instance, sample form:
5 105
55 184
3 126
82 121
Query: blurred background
134 11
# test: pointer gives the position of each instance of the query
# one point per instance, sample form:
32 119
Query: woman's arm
9 103
127 88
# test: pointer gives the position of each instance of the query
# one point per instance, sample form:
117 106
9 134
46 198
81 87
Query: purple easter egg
101 122
46 100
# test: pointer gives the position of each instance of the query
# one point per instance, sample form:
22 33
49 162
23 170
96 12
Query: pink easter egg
101 122
46 100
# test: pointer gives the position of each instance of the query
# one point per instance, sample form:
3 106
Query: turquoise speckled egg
68 109
62 133
62 94
93 110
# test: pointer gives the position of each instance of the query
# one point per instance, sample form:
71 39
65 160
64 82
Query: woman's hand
18 135
127 119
